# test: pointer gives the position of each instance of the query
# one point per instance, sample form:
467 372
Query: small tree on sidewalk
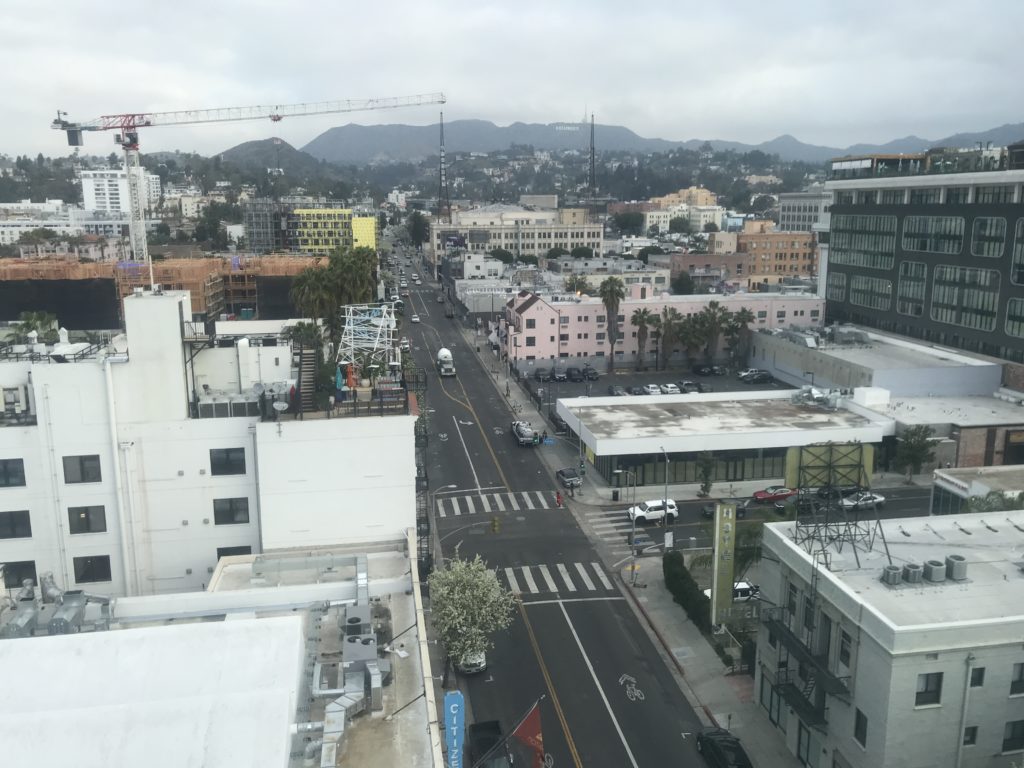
706 468
914 450
468 604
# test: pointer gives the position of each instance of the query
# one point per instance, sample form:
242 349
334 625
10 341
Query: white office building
131 469
895 643
805 211
106 191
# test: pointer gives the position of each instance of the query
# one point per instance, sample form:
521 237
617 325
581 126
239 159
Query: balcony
796 693
777 621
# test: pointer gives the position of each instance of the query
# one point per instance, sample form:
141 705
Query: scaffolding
200 277
368 339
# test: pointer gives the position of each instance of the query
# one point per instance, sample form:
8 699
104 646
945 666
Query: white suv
647 511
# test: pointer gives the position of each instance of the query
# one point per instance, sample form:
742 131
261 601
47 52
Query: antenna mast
444 203
593 174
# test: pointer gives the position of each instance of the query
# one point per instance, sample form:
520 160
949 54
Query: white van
742 592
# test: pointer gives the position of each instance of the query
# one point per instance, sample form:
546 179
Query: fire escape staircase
307 379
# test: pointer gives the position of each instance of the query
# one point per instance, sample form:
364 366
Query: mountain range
363 144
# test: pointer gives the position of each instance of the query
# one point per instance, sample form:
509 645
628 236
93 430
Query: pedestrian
544 437
572 491
558 499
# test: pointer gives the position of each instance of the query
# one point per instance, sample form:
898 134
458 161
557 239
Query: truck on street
445 362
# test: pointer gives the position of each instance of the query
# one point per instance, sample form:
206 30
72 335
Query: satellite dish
280 388
258 389
280 407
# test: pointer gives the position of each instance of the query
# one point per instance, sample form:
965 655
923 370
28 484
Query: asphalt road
607 696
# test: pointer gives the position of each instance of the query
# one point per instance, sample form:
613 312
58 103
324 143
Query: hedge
685 590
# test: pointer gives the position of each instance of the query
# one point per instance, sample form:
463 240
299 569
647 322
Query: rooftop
963 411
981 480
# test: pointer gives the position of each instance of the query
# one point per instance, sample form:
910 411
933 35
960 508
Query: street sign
454 726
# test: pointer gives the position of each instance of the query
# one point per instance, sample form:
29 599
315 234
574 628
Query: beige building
688 196
772 256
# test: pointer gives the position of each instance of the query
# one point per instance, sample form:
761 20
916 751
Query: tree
554 253
679 225
582 252
691 336
669 326
682 284
914 450
418 228
38 236
737 332
645 253
382 220
629 223
612 291
995 501
643 319
467 605
43 323
577 284
762 203
711 227
712 320
706 470
505 257
311 293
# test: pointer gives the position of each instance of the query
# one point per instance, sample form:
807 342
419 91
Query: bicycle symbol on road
632 692
498 431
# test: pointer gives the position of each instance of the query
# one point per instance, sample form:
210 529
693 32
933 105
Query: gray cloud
829 73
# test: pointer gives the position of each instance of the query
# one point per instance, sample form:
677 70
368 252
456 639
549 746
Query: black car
636 391
590 374
542 374
721 749
559 374
569 477
561 428
702 370
838 491
616 391
708 510
574 374
761 377
486 740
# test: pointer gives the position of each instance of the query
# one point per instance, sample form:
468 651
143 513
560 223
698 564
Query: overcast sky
829 72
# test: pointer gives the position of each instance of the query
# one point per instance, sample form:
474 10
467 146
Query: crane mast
127 136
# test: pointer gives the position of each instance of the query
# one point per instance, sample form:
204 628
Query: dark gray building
931 246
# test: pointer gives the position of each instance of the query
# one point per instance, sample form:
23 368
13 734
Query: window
970 735
845 648
996 194
933 234
600 318
232 551
15 525
1017 680
87 519
965 296
82 469
228 461
1013 736
929 689
531 341
988 237
956 195
18 571
791 600
860 728
912 286
924 196
977 677
231 511
808 612
92 569
863 241
12 473
563 320
835 289
871 292
531 322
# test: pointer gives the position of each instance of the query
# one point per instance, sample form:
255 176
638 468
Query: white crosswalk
557 578
614 528
489 503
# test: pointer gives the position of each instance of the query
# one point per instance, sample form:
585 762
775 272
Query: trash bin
615 494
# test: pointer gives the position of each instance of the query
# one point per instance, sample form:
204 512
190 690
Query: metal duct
67 619
265 567
309 753
362 581
27 592
24 622
376 687
51 593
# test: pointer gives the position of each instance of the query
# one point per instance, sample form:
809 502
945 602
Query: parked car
721 749
590 373
774 493
638 391
748 372
559 374
574 374
862 500
693 386
651 389
404 344
669 389
558 423
542 374
414 319
655 509
742 592
569 477
839 491
472 663
702 370
718 370
616 391
761 377
487 746
708 510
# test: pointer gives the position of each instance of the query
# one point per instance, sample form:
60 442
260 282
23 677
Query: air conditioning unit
956 568
913 573
892 575
934 571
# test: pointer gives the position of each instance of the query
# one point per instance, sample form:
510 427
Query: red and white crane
127 127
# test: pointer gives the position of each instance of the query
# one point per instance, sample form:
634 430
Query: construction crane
127 126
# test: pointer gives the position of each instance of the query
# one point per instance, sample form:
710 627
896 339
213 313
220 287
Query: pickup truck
524 433
486 739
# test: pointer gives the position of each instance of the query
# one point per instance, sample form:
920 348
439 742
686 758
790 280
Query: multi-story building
802 211
132 468
106 191
700 216
773 256
657 220
307 225
931 246
688 196
894 642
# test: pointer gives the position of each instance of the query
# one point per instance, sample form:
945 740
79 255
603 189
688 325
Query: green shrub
685 590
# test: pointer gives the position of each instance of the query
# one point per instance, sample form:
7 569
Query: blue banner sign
454 726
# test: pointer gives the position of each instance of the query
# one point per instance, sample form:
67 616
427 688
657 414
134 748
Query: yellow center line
551 687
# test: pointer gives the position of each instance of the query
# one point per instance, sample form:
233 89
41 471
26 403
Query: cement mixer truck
445 363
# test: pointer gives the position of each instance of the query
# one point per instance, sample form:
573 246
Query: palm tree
43 323
612 291
741 320
712 319
691 335
669 324
312 293
642 319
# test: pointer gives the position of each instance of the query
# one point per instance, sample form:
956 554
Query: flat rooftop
991 543
962 411
880 355
1007 479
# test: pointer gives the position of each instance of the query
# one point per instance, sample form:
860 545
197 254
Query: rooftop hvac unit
913 573
956 568
934 571
356 620
892 575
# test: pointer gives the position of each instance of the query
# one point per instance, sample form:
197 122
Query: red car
774 493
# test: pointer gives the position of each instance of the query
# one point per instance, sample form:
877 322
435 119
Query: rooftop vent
956 568
892 575
913 573
935 571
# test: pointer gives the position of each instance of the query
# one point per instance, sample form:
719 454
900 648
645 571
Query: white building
895 643
659 219
106 191
702 215
805 211
132 469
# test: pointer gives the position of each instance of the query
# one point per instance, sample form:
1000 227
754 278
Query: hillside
273 153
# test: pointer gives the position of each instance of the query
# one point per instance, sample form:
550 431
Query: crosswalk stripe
513 502
565 577
528 578
529 501
544 501
552 587
583 575
440 508
600 575
498 501
485 502
512 580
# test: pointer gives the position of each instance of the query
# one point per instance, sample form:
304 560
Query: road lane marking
552 587
511 576
528 578
499 502
464 448
600 575
600 690
565 577
551 688
559 601
485 501
586 578
529 501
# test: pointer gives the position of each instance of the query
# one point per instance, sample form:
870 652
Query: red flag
528 734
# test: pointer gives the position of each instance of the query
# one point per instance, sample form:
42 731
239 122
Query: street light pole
664 503
433 496
632 536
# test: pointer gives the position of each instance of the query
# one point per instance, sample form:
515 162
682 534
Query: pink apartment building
539 329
